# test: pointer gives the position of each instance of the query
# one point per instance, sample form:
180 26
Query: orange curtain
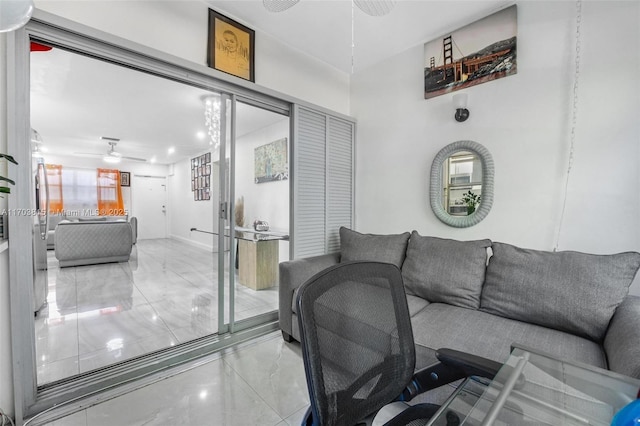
109 193
54 177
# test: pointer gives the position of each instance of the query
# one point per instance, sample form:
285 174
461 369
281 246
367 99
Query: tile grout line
229 353
253 389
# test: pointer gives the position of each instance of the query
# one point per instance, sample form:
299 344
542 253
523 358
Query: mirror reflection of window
463 183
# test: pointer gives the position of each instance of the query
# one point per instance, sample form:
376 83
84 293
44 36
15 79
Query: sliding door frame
29 398
53 400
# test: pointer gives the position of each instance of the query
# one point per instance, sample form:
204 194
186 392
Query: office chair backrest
357 341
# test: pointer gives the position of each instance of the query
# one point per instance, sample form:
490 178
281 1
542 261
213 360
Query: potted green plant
471 200
3 188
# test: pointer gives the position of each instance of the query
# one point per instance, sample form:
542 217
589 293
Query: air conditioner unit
460 179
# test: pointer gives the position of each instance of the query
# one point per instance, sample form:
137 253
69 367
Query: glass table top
249 234
534 388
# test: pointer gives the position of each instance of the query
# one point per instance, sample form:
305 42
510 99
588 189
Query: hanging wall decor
477 53
201 177
231 47
271 162
125 178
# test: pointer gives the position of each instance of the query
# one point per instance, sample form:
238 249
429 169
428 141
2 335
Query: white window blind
79 190
323 181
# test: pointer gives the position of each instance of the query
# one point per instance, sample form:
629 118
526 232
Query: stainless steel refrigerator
39 237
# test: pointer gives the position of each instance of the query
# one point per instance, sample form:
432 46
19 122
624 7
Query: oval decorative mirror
461 191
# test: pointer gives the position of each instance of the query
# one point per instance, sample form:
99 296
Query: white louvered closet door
323 181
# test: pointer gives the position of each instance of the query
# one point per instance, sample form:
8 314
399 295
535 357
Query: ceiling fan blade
134 158
88 153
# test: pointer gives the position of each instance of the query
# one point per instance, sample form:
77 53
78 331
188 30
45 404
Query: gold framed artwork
231 47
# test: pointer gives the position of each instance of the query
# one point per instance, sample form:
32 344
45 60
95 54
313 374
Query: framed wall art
201 177
125 179
231 47
477 53
271 162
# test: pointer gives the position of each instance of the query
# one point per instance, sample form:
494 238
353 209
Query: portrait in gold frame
231 47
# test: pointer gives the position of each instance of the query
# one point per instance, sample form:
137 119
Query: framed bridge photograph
477 53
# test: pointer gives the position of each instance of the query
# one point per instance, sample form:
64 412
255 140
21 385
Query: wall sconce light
460 104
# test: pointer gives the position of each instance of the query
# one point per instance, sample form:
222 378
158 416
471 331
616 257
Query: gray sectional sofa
89 242
56 218
482 296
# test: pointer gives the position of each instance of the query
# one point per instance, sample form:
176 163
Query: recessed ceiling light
171 150
201 135
153 159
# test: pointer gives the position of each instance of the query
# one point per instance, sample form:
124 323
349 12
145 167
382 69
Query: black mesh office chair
358 349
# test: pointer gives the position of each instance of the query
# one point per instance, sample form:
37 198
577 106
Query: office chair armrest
454 365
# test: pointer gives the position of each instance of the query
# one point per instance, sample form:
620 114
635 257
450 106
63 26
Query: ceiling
76 100
324 28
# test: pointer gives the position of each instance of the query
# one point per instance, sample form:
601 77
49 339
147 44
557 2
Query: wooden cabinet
258 263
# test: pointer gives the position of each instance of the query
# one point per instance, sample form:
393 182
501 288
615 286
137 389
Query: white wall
186 213
266 201
524 121
183 33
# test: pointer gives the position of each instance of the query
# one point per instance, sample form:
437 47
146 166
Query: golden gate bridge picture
490 45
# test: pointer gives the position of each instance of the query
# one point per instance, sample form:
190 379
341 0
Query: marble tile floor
100 314
261 382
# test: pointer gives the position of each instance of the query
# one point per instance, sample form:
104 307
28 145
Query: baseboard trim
193 243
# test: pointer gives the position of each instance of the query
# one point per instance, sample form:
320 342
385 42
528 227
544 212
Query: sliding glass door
251 178
257 211
204 177
191 250
178 263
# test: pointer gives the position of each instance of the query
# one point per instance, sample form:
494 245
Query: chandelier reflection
212 119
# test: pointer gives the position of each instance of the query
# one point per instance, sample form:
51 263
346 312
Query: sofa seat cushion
380 248
415 304
446 271
568 291
444 326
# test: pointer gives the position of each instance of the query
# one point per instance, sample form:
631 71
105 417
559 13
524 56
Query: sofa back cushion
446 271
569 291
390 248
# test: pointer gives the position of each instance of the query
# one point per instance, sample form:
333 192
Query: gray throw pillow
446 271
380 248
568 291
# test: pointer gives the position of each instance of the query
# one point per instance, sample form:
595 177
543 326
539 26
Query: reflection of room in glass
463 185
